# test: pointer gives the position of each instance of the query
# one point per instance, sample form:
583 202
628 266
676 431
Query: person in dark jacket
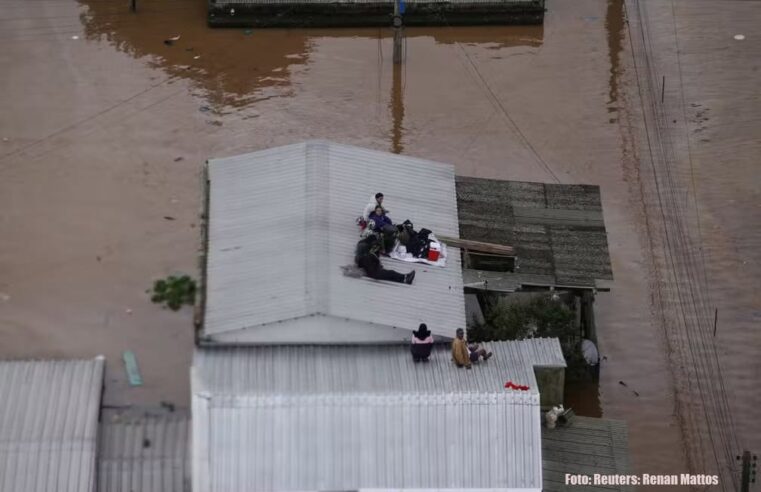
367 259
422 344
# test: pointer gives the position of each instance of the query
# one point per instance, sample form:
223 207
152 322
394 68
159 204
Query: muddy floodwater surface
105 127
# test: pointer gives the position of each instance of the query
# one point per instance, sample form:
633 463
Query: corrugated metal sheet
376 369
557 230
587 446
346 442
144 453
48 424
353 417
281 225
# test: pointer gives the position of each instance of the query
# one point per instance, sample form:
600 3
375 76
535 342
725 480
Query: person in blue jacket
385 227
380 218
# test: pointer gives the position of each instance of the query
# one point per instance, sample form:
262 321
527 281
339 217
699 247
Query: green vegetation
540 316
174 291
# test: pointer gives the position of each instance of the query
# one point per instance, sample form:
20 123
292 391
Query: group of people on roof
463 353
379 237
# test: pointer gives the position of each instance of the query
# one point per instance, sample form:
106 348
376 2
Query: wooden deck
587 446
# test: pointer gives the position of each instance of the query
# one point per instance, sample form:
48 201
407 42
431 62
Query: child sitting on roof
384 227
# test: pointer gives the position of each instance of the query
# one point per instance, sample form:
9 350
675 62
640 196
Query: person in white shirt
374 202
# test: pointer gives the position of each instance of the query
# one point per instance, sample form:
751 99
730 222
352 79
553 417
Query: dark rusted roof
557 230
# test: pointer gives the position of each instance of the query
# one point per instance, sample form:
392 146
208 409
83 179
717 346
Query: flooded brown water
96 127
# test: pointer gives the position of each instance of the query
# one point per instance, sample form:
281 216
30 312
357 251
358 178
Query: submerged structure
335 13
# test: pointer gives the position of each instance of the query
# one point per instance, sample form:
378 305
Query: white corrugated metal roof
358 417
281 225
48 424
345 442
144 453
376 369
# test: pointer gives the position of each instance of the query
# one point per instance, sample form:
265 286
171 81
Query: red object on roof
511 385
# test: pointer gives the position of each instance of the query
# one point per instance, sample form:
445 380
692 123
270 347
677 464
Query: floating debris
197 57
77 37
169 217
248 32
133 373
171 41
739 37
178 159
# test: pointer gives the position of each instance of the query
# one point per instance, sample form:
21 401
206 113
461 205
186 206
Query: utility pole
397 23
748 471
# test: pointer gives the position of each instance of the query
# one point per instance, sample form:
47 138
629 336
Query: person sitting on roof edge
367 258
464 354
422 344
374 202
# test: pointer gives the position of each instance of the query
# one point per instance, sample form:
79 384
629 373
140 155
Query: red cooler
434 251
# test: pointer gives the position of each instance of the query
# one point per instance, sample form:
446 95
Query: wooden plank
496 249
502 281
133 373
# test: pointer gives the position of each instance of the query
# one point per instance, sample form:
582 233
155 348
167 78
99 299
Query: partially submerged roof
586 446
557 231
281 226
144 452
48 424
357 417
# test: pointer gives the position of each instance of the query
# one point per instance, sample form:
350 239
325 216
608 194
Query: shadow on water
397 110
234 68
583 397
614 25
